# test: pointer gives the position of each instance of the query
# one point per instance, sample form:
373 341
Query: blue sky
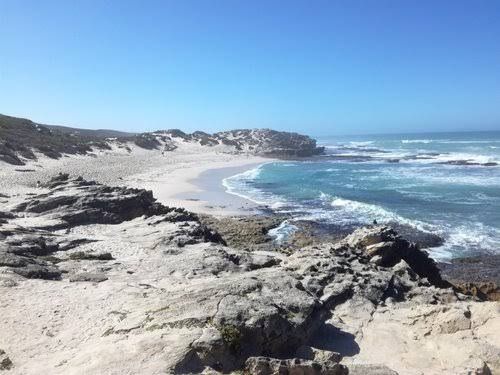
319 67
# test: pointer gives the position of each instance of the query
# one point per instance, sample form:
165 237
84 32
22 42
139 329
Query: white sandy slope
169 175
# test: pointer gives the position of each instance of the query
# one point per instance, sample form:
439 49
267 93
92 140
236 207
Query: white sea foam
368 212
342 211
421 157
426 174
283 231
472 236
332 170
360 143
466 142
406 141
352 212
474 158
241 185
448 141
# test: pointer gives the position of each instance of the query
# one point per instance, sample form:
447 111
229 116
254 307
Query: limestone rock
178 299
72 202
370 370
387 248
90 277
295 366
318 355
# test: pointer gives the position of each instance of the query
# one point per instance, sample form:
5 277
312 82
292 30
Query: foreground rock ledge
137 287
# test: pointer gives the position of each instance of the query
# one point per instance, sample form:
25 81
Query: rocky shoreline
478 275
156 289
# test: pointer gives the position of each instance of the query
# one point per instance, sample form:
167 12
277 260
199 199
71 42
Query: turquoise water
410 179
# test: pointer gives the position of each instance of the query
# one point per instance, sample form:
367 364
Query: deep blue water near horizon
444 183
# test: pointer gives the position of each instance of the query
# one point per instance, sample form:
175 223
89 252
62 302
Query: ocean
441 183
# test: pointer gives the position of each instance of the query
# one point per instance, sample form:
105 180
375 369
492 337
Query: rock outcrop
21 139
270 366
386 248
271 143
478 276
155 290
71 202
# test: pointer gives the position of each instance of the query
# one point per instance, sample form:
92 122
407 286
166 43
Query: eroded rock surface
37 227
478 276
270 366
153 290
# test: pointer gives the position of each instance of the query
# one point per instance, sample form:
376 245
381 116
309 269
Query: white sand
171 177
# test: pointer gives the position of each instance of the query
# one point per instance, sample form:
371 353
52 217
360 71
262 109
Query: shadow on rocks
333 339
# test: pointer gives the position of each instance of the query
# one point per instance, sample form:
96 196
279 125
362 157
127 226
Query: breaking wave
419 183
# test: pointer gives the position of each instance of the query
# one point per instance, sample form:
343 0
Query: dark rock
421 238
477 276
478 269
387 248
91 203
31 245
72 243
5 362
247 232
80 255
71 202
271 366
11 260
37 271
88 277
6 215
468 163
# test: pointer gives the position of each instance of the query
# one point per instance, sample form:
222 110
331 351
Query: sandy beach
189 177
207 193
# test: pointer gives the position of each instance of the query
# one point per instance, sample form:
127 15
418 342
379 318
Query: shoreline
210 196
183 178
187 178
197 186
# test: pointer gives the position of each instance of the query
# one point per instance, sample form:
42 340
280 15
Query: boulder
39 271
294 366
387 248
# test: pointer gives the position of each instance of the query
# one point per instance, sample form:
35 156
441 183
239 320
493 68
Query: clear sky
313 66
